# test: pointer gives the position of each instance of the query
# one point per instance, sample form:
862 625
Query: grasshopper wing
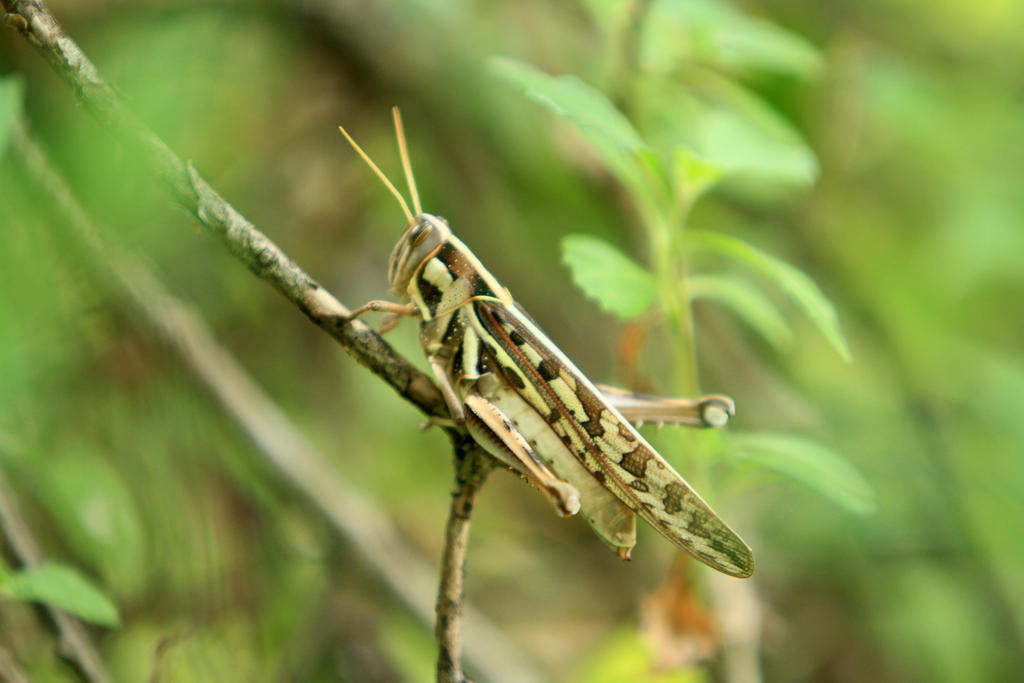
604 442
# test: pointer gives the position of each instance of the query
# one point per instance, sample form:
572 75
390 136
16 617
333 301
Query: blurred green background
875 146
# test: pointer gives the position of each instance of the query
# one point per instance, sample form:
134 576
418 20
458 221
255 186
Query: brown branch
472 468
73 642
242 238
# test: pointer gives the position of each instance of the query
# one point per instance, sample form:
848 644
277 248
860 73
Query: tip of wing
743 571
735 560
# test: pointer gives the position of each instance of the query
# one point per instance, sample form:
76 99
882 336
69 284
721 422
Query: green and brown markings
528 405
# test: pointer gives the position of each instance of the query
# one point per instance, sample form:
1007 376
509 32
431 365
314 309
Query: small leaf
793 281
11 95
715 32
726 125
620 285
570 97
739 142
756 45
695 174
810 463
606 128
65 588
749 304
93 505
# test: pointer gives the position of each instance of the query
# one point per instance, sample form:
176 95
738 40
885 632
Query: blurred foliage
825 162
63 587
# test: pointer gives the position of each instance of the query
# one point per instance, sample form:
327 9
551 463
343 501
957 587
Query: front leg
395 312
714 410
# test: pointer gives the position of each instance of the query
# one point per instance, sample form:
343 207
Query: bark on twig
73 642
472 467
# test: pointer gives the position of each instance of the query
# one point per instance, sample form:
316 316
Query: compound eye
419 234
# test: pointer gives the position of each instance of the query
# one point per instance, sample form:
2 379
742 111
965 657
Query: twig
355 517
470 473
241 237
73 641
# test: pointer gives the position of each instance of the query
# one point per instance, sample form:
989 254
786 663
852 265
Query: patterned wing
604 442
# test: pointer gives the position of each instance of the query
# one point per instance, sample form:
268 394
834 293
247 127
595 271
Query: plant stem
670 273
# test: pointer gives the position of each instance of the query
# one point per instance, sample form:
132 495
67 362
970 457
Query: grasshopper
530 407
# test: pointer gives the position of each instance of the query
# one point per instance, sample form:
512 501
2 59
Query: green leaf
745 300
572 98
65 588
727 126
713 32
694 175
605 127
91 501
793 281
755 45
620 285
810 463
12 92
763 145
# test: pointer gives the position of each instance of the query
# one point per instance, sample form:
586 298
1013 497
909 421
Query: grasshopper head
418 243
425 232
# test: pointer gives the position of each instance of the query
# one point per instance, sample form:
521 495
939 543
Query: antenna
404 151
380 174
